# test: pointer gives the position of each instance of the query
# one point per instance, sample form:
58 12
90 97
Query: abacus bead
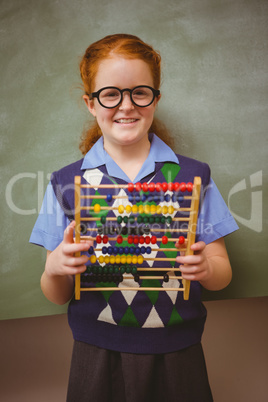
168 220
141 209
157 219
138 186
101 259
110 250
97 208
136 240
130 198
117 259
136 278
140 259
158 187
123 259
119 239
103 219
164 239
189 187
167 197
164 187
129 259
132 218
139 219
128 209
122 269
125 219
109 197
137 198
115 250
151 187
131 250
166 278
105 239
170 209
104 250
98 239
141 240
143 250
147 240
153 240
134 270
130 239
181 239
163 219
153 209
121 209
171 186
126 250
121 250
90 250
108 259
145 219
147 209
137 251
180 198
151 219
130 187
144 197
165 210
144 187
148 250
183 187
158 209
124 230
128 269
134 209
93 259
112 259
119 219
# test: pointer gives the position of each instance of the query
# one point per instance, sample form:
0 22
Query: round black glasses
110 97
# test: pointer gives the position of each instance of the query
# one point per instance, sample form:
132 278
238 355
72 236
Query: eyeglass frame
156 93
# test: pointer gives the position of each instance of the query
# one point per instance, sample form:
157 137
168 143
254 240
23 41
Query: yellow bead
97 208
140 259
153 209
112 259
170 209
128 209
121 209
134 259
101 259
165 210
147 209
135 209
93 259
123 259
129 259
117 259
106 259
159 209
141 209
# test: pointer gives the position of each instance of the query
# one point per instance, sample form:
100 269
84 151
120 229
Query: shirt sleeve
49 228
215 220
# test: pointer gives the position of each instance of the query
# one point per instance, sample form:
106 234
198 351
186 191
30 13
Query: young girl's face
126 124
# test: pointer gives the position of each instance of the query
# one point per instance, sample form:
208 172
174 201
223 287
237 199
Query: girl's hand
195 267
209 264
62 260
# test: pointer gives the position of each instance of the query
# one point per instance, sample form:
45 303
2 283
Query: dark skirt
100 375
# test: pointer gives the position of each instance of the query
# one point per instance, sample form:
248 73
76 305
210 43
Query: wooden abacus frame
191 233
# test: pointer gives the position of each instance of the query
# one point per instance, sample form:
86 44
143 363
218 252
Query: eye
110 93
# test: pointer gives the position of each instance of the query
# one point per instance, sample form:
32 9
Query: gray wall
214 100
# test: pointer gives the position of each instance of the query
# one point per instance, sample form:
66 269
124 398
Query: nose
126 103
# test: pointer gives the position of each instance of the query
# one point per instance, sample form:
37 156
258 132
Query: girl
130 346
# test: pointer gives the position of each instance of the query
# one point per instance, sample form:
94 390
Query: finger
190 259
199 246
72 248
69 233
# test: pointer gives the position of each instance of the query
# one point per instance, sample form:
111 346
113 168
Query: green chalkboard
214 100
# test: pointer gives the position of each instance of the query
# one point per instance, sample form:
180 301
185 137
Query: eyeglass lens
111 97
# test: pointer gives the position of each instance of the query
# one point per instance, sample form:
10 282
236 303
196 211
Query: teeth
126 120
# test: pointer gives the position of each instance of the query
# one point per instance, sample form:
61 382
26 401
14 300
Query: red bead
130 187
141 240
136 240
130 239
151 187
105 239
181 239
147 240
144 187
98 239
138 186
158 187
153 239
119 239
164 239
176 186
183 187
164 187
189 187
171 186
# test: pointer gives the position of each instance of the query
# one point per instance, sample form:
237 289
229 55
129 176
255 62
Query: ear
90 105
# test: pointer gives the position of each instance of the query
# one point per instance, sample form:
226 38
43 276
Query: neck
129 158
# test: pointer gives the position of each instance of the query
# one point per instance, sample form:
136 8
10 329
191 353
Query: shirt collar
159 152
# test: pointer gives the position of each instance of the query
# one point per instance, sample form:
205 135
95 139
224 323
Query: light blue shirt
214 222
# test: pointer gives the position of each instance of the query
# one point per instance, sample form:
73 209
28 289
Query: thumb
69 233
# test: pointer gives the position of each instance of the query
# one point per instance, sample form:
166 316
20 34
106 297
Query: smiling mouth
126 121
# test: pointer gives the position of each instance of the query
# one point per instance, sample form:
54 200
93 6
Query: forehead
123 73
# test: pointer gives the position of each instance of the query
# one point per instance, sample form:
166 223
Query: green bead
119 219
128 269
163 219
139 219
134 269
151 219
122 269
169 220
131 219
103 219
157 219
125 219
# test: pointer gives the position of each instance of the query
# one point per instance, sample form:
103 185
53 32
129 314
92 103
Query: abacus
121 257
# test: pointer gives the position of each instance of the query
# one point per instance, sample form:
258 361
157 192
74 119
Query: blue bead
174 197
137 251
137 198
90 250
148 250
121 250
110 250
144 197
167 197
143 250
126 249
180 198
109 197
130 198
131 250
104 250
115 250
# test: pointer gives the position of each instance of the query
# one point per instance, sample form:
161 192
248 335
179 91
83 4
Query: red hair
128 46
